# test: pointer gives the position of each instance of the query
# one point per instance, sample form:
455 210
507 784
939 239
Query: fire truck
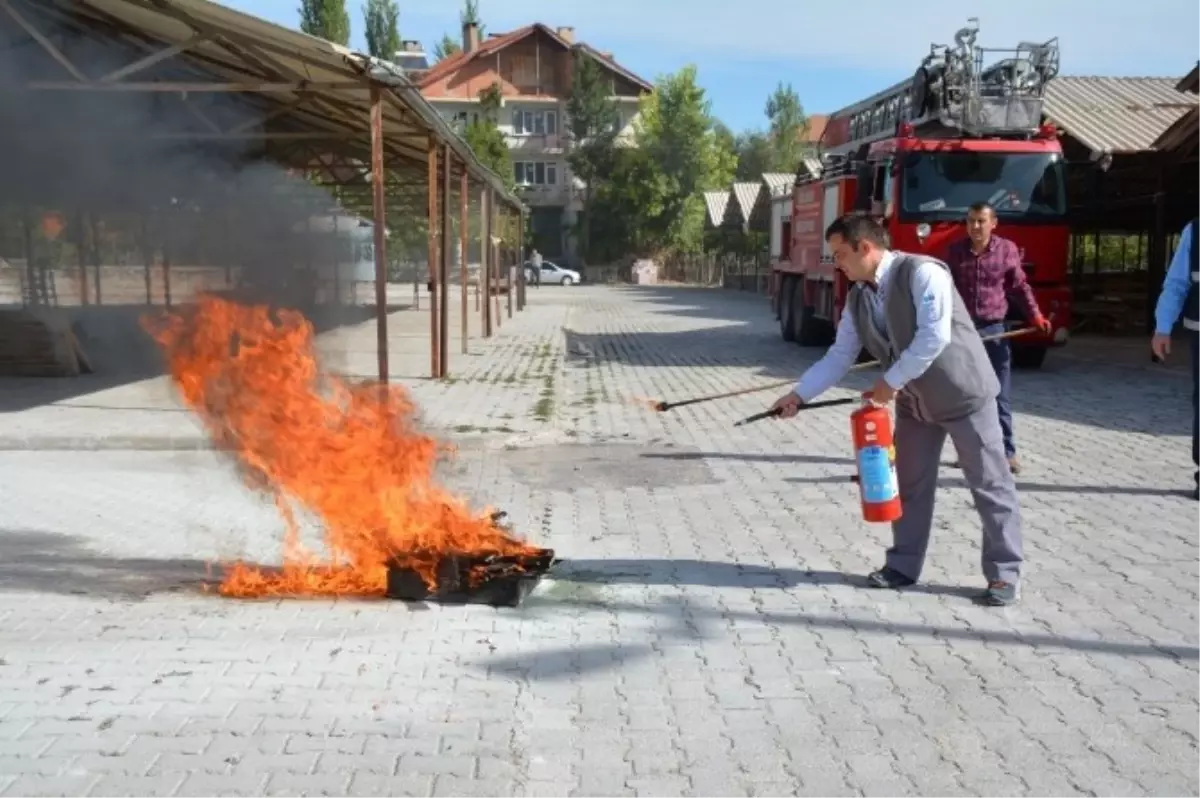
917 156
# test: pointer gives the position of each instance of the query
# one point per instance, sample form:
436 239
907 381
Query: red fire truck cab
917 156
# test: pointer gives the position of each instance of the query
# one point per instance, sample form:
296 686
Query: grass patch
544 408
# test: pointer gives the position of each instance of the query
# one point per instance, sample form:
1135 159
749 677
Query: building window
460 119
535 123
535 173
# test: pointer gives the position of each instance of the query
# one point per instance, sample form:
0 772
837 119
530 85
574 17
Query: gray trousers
980 444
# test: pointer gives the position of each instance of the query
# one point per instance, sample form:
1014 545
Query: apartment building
532 66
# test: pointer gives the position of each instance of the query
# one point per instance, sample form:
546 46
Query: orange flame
348 453
644 403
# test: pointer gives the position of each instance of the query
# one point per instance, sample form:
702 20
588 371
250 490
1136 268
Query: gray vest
959 381
1191 305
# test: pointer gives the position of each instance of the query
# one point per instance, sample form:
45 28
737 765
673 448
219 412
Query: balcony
547 144
543 195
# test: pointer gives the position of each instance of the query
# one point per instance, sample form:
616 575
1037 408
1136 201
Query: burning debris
349 453
476 578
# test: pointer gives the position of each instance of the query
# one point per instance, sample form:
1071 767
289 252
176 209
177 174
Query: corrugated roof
810 165
778 184
1116 115
715 202
742 197
232 40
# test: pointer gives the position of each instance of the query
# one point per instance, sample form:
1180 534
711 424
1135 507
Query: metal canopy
196 72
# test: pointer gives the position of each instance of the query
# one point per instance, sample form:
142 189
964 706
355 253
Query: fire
644 403
348 453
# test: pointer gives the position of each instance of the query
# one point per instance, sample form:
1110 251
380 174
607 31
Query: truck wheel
814 331
1028 357
787 309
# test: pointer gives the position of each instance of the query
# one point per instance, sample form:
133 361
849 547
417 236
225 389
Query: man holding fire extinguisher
907 313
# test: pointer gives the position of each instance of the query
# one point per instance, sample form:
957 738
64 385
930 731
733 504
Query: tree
470 16
628 206
755 155
678 133
326 19
445 48
787 125
381 19
448 45
592 121
485 139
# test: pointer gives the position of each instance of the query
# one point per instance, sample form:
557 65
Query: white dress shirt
935 288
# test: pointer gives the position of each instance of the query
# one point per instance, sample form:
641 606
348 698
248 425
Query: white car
552 274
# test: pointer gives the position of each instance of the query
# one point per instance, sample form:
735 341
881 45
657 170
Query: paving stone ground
707 634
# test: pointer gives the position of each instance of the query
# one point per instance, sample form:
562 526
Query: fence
750 273
726 270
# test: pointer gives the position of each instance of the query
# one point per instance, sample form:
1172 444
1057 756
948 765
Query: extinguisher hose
810 406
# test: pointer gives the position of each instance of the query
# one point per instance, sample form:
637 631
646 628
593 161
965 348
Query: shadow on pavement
47 562
1032 487
1096 385
745 307
719 574
750 457
714 347
689 623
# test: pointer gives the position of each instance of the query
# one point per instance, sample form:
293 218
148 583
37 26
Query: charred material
474 578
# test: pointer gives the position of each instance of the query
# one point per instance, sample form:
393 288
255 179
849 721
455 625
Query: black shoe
887 577
1000 594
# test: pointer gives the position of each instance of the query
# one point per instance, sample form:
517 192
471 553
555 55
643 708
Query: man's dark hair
855 228
976 207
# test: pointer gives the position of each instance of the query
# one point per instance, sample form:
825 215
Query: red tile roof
459 60
816 126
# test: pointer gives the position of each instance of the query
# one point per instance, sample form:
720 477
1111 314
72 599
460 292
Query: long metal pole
463 188
444 271
432 180
377 201
81 244
521 258
508 274
485 270
482 306
494 248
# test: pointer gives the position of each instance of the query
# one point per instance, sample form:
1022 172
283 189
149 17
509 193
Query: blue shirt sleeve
826 372
934 288
1175 286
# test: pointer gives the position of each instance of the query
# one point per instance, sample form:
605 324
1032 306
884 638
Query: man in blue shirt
1180 297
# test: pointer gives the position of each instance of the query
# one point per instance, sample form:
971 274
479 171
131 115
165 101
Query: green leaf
381 20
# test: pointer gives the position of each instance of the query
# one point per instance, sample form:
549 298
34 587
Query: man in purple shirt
987 269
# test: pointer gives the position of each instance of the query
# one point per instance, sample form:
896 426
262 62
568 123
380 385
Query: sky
833 54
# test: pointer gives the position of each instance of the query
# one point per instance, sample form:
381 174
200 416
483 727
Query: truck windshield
940 186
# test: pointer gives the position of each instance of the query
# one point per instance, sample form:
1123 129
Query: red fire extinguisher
875 454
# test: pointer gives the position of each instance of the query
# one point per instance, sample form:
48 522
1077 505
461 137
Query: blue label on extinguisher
876 475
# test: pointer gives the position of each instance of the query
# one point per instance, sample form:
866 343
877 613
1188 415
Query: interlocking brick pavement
706 635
